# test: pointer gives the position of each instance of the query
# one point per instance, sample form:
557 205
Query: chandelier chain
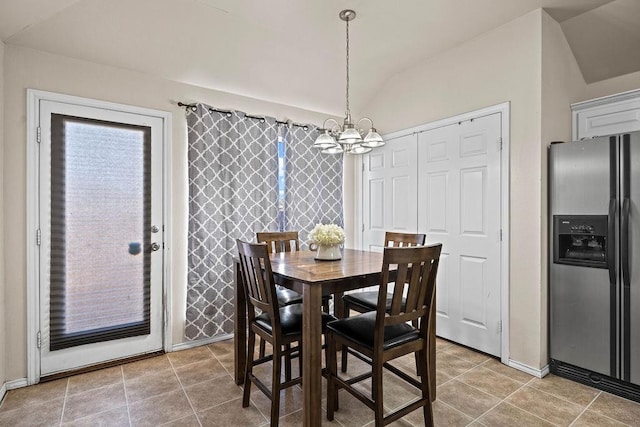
347 111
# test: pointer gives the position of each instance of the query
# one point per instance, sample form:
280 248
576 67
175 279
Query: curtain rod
217 110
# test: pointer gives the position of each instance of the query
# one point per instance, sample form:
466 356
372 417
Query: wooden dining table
312 278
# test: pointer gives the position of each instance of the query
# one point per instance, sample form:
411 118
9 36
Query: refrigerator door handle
624 244
611 244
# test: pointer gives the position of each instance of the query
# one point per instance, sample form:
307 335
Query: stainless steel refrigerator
594 265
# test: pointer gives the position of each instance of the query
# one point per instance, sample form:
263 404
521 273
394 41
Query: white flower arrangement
327 234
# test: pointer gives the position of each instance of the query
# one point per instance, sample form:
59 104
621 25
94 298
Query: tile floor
195 388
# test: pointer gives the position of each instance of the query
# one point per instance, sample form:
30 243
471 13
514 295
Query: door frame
504 109
33 215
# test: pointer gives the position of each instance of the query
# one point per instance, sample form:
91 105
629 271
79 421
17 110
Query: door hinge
500 144
38 237
39 339
38 134
499 326
500 235
363 166
363 227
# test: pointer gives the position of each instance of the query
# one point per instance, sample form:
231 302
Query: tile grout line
560 397
210 380
457 410
553 395
585 409
173 368
600 392
507 376
220 362
126 396
504 400
64 401
99 412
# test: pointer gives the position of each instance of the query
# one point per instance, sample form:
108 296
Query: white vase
328 252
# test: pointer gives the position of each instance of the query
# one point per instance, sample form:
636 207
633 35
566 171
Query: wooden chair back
259 285
417 267
279 241
400 240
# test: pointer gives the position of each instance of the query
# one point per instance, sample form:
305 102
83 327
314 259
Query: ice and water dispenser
580 240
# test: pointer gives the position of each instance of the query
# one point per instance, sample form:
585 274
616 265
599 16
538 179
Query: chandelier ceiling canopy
347 137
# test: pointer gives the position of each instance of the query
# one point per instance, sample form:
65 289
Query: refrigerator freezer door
631 284
582 324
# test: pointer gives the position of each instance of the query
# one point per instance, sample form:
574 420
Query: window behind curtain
282 188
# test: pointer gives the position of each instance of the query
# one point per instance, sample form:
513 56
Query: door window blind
100 231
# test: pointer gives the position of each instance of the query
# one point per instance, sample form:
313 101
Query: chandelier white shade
347 138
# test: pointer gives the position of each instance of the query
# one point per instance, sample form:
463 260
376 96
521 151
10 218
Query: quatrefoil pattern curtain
233 193
313 184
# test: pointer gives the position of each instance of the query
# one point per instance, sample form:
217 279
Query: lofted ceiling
292 52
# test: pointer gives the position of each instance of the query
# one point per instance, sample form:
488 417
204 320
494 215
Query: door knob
155 246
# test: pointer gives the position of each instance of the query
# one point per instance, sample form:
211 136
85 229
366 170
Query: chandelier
347 138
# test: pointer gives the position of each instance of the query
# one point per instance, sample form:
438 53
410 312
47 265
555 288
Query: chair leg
275 385
332 371
262 348
248 369
414 323
421 356
376 391
287 363
345 355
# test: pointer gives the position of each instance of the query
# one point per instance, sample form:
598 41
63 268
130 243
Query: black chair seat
366 301
361 329
290 320
287 297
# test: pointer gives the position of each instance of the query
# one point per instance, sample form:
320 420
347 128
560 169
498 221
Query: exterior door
389 191
459 206
100 235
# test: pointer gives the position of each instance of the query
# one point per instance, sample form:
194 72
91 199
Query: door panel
580 297
633 293
389 196
101 282
459 206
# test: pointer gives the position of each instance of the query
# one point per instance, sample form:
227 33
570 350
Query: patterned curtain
233 172
313 184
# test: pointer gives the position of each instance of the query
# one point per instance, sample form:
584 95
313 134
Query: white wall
562 84
529 63
3 344
25 68
501 65
612 86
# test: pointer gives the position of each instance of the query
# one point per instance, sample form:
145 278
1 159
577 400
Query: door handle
611 242
626 280
155 246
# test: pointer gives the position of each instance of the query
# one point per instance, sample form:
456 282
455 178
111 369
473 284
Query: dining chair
285 241
384 334
363 302
279 326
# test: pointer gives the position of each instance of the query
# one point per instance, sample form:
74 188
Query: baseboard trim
198 343
539 373
19 383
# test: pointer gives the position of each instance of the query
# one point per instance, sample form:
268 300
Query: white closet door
459 206
389 191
